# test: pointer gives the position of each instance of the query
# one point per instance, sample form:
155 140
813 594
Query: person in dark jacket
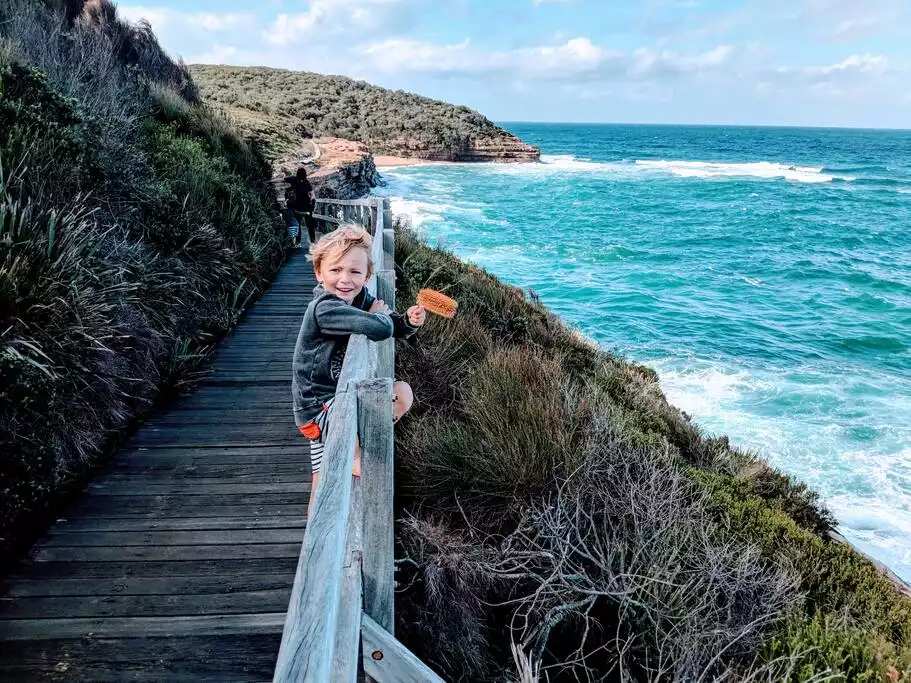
300 202
341 306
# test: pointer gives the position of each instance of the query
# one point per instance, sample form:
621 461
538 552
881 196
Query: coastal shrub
531 446
127 244
619 568
836 579
281 106
830 648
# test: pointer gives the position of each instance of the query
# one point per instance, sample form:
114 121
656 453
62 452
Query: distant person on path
341 307
300 201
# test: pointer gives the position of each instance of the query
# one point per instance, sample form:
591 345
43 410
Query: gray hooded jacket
323 339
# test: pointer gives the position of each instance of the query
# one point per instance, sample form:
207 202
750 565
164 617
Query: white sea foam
568 162
759 169
866 488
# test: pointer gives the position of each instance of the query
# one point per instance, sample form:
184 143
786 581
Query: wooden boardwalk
177 562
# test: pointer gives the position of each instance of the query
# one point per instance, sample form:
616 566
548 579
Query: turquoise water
765 273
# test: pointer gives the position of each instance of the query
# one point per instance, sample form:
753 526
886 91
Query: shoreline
389 161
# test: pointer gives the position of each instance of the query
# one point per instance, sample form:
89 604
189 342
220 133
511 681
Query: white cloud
865 78
218 54
847 20
577 58
326 19
855 65
164 19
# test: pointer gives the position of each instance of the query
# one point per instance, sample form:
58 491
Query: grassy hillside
134 225
282 107
558 520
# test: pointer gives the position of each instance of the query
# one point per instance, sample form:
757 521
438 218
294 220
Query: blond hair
336 244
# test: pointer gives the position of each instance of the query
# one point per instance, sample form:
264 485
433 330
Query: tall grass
559 520
135 224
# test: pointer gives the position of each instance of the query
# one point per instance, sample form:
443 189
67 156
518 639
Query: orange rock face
503 148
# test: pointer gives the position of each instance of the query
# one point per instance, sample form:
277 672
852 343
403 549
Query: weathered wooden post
375 416
307 640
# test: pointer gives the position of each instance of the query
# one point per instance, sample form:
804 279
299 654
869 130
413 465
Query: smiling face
344 277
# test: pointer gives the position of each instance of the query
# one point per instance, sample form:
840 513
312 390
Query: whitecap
758 169
568 162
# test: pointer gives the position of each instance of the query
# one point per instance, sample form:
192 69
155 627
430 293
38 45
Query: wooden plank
246 657
163 461
140 627
194 432
224 487
161 605
386 660
178 503
44 571
196 537
132 585
218 417
375 428
328 219
309 630
205 441
163 553
345 202
225 453
83 524
227 509
200 476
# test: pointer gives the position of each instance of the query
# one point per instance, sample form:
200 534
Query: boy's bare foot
356 469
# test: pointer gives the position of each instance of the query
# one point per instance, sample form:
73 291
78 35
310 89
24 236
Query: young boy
341 307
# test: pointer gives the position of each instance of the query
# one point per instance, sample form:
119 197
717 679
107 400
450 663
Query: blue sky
766 62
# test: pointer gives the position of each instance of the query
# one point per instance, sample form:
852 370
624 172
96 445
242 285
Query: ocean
765 273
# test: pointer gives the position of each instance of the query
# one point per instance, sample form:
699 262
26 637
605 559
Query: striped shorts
317 437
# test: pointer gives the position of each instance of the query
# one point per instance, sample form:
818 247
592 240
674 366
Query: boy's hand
378 306
417 315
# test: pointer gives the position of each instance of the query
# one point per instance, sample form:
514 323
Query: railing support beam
375 427
308 640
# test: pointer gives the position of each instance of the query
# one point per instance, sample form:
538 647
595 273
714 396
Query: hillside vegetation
283 107
135 223
558 520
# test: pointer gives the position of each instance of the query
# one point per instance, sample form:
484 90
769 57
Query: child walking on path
341 307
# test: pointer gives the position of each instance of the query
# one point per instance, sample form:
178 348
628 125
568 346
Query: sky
743 62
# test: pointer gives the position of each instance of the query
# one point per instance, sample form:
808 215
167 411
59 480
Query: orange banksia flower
438 303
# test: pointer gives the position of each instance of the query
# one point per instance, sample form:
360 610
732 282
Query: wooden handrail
369 201
344 586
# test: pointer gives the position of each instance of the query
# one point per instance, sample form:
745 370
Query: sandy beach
384 161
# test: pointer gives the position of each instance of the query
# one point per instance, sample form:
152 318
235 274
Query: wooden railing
343 595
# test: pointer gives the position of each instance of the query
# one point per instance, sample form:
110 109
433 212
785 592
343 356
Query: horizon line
706 125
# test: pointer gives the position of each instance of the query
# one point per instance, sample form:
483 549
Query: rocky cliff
501 147
338 169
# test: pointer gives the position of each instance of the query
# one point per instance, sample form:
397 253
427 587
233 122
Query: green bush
836 579
821 645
